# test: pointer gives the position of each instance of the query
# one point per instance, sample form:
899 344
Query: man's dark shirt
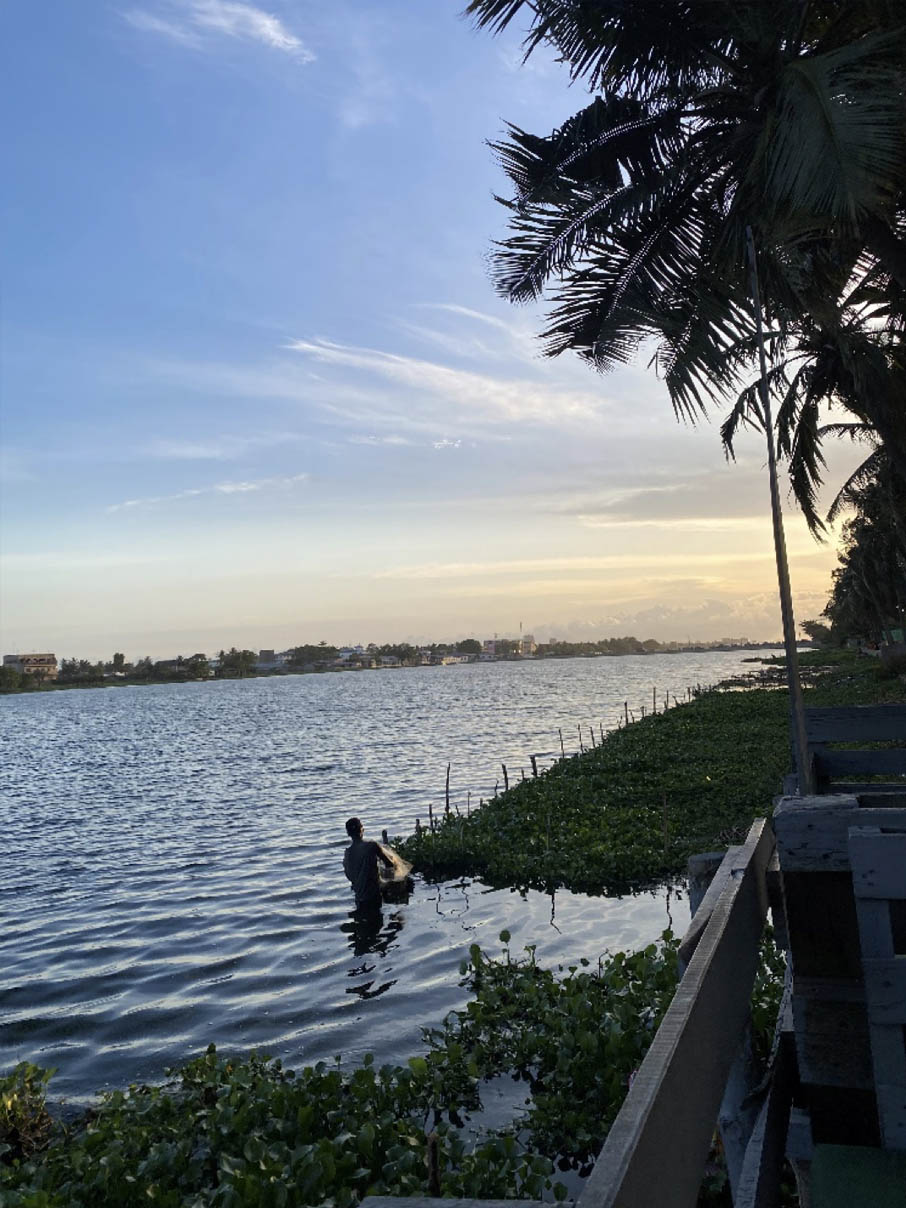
360 865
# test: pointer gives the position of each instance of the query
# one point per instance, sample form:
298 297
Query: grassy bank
631 811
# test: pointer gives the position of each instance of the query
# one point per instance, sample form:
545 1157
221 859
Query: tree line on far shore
240 664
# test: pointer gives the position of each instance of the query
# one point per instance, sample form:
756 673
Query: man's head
354 828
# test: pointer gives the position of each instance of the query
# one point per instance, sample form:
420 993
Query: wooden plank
799 1144
812 832
878 862
702 916
890 761
822 926
759 1183
885 989
832 1043
776 900
657 1147
700 872
879 877
856 723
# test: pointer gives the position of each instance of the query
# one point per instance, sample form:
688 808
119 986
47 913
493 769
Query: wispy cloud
219 488
684 524
482 395
392 440
219 448
191 22
371 85
559 566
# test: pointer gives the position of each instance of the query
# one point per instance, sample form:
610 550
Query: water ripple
172 858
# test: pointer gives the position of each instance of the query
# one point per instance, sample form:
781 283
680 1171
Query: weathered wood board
690 1056
856 723
879 878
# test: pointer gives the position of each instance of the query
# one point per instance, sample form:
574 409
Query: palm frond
860 478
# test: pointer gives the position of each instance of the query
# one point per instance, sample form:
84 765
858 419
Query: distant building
44 665
527 644
489 647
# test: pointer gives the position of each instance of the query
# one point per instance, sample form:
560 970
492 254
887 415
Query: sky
256 387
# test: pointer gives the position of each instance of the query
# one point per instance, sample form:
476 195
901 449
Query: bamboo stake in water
506 779
447 793
562 748
581 744
534 759
665 823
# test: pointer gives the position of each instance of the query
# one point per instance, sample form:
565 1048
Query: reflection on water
367 931
172 869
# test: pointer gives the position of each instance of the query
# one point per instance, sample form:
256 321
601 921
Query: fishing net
400 870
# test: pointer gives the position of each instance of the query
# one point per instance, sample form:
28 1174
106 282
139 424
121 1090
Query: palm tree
720 127
869 590
858 363
784 117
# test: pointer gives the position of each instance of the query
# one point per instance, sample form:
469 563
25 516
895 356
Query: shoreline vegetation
627 813
323 660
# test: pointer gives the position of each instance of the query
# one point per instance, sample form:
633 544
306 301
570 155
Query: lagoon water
171 869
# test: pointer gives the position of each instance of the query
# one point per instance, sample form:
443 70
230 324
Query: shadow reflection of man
366 931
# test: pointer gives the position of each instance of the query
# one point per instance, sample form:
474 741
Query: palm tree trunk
797 705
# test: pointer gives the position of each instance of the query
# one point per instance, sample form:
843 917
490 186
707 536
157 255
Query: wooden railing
657 1147
850 724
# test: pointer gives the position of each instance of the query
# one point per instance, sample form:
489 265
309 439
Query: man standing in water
360 865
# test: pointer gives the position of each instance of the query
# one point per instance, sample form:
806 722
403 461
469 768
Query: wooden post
447 793
430 817
581 743
591 731
469 804
665 824
562 748
506 779
418 826
626 711
432 1161
534 759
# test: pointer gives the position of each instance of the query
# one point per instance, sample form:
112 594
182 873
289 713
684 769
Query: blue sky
256 385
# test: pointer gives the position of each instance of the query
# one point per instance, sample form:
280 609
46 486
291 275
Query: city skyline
256 384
